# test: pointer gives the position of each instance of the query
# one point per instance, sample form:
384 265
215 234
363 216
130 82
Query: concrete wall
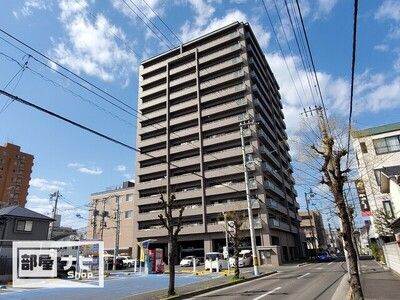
392 256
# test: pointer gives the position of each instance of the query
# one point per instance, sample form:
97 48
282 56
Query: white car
245 259
188 261
215 260
128 262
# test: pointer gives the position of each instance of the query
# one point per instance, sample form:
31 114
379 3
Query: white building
378 157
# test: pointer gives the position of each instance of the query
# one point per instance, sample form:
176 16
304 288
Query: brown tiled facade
193 99
15 174
107 202
313 229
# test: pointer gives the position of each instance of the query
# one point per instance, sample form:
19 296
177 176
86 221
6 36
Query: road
312 281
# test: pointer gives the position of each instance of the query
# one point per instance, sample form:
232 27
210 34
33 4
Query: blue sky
104 42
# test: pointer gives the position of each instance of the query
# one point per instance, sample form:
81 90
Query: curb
217 287
343 289
302 264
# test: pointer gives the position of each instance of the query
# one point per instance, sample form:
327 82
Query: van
245 259
211 261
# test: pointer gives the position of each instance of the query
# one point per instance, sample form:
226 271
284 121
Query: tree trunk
171 266
355 282
236 256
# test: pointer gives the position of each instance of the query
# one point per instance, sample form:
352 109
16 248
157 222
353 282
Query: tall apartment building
378 158
193 99
102 223
15 174
313 228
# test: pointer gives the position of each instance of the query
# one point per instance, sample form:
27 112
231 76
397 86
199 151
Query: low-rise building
103 218
378 157
313 228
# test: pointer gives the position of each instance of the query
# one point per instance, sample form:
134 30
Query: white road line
232 286
269 293
319 268
303 275
330 263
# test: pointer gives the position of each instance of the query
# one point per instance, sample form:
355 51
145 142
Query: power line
312 60
162 21
353 64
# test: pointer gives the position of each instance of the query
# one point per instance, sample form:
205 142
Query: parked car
127 261
324 257
245 259
109 261
214 260
188 261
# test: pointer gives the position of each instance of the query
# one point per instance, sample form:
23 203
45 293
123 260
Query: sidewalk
378 283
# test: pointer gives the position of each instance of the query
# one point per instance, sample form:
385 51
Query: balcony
276 205
221 66
182 79
185 178
159 231
274 188
181 163
185 91
183 118
266 139
227 153
270 156
153 90
152 169
271 171
151 79
294 230
184 132
224 107
257 103
152 184
148 155
225 188
225 122
222 79
152 141
230 206
292 214
224 171
183 105
153 102
152 127
222 40
190 210
221 138
276 224
184 147
218 54
256 223
230 91
188 194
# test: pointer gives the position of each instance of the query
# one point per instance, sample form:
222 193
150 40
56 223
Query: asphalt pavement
312 281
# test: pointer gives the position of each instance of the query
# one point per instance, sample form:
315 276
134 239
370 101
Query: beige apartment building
15 174
193 99
378 158
102 223
313 228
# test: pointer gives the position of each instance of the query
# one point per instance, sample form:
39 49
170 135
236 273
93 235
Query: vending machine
156 263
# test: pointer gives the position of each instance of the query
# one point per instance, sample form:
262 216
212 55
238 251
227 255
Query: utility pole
94 221
103 217
313 241
331 236
55 195
227 242
118 222
249 204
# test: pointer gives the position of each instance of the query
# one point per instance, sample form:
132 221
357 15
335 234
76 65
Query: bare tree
334 176
235 220
173 226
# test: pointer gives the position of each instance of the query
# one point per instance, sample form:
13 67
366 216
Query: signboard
362 196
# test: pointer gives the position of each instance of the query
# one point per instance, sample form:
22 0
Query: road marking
330 263
232 286
269 293
303 275
319 268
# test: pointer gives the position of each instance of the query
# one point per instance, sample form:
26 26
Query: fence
392 256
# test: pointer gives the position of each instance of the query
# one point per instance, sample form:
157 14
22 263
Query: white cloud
91 46
46 185
120 168
381 47
325 7
31 5
203 11
143 8
190 31
90 171
66 210
389 9
85 169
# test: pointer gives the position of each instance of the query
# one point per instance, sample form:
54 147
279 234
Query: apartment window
363 147
25 226
129 197
128 214
387 206
386 145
